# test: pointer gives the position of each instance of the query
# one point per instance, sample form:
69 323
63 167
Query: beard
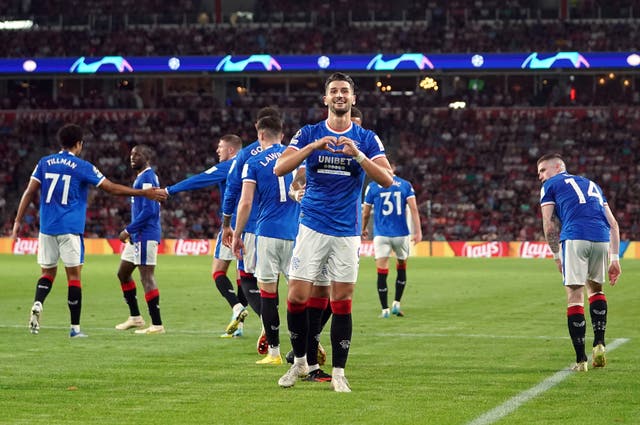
339 112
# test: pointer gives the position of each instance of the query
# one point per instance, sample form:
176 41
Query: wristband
556 255
360 157
614 257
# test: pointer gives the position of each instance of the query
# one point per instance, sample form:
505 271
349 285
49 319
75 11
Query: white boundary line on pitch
511 405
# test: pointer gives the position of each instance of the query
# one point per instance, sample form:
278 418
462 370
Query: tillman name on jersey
62 161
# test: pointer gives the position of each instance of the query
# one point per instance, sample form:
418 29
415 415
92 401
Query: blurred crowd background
473 168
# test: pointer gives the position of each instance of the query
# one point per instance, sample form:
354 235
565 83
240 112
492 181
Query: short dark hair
270 124
356 113
339 76
233 139
146 152
268 111
549 156
69 135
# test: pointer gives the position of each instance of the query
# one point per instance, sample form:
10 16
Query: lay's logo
192 247
535 250
25 246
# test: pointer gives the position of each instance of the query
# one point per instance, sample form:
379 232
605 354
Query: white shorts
318 257
68 247
222 252
383 245
272 258
248 262
143 253
584 260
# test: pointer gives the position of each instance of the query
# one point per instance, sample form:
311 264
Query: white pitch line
514 403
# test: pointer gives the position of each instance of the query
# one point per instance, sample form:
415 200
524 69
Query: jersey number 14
591 191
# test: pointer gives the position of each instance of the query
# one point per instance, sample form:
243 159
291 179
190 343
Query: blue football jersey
145 213
390 207
234 186
579 204
65 181
214 175
277 213
332 198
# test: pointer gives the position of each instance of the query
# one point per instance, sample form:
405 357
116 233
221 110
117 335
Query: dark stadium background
473 168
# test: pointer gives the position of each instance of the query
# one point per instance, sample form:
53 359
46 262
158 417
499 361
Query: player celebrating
318 307
391 233
276 226
588 239
338 155
141 238
63 180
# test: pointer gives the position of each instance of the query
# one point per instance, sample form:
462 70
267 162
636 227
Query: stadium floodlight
458 105
22 24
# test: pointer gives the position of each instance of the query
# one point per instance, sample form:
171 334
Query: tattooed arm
551 226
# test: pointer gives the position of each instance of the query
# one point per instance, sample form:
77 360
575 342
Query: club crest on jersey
294 139
97 172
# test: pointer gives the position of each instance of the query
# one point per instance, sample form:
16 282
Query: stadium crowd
473 170
295 11
493 36
436 27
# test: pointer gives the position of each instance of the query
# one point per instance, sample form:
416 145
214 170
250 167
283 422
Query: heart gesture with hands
327 143
349 146
334 144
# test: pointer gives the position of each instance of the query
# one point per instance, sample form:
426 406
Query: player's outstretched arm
154 193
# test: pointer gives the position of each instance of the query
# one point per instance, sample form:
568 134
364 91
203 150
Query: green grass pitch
478 333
